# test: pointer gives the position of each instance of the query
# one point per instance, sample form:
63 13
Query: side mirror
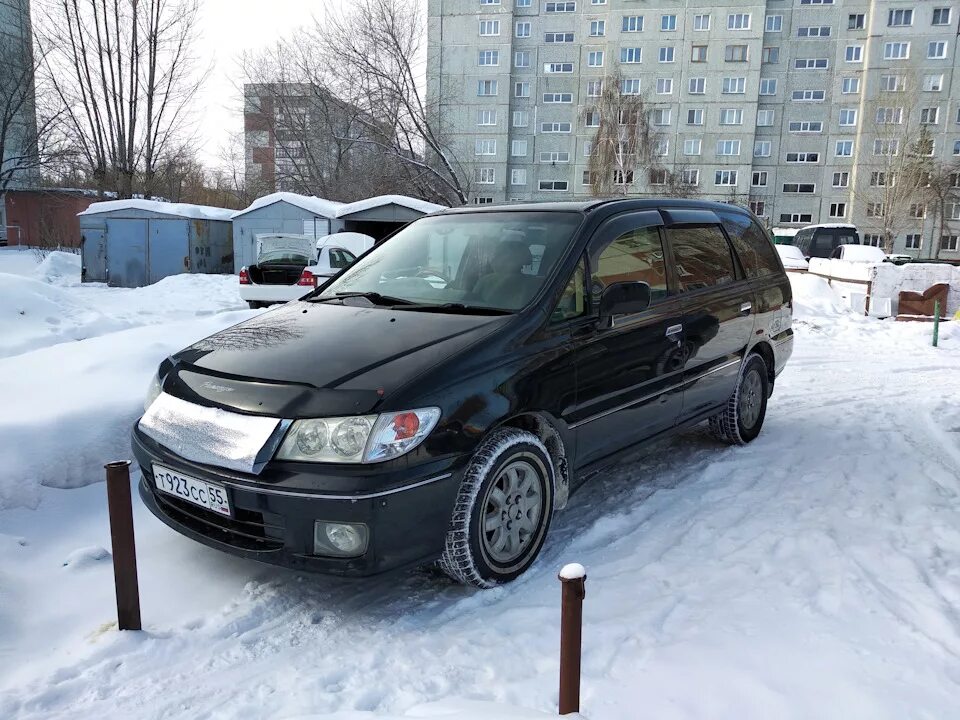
622 298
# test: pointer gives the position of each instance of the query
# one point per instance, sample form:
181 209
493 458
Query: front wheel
503 510
741 420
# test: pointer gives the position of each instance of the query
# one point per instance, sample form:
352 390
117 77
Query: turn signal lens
244 277
306 278
405 425
396 434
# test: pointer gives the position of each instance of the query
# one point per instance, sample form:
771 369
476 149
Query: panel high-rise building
17 95
801 109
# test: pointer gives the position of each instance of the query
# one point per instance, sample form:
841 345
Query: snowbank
813 298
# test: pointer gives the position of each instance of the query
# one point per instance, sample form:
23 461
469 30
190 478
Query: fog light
340 539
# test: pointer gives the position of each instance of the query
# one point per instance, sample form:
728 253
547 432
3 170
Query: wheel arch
545 428
765 350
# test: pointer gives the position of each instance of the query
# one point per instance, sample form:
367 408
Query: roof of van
846 226
588 205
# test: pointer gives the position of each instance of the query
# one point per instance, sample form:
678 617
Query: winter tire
502 511
741 420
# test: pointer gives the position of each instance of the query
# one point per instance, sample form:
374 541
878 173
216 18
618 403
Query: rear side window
340 259
702 255
755 251
636 255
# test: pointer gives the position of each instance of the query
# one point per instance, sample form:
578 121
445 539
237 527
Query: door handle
745 308
674 330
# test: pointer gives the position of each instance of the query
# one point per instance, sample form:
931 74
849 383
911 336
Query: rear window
756 252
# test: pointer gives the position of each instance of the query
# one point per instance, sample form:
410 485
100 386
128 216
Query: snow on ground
814 573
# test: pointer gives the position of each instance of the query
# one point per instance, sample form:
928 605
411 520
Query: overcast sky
227 29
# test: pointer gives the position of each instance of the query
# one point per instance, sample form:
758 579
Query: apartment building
793 107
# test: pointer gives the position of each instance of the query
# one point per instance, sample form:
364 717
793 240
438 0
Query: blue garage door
169 250
126 252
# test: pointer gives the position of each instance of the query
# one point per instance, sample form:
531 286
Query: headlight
358 439
153 392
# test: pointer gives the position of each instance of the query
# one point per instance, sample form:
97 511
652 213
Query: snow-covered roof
789 232
381 200
318 206
847 226
183 210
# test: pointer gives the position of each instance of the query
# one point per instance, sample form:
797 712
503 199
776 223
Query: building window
841 179
813 31
803 157
698 53
594 88
690 176
949 242
726 148
808 95
631 55
733 86
918 211
878 178
555 38
889 116
632 23
598 2
892 83
856 21
560 7
521 59
664 86
485 175
956 147
796 218
521 118
666 54
874 209
850 86
486 88
759 178
929 116
848 117
844 148
933 83
553 98
735 53
518 176
555 127
489 57
757 207
853 54
555 68
598 28
774 23
762 148
661 116
489 2
595 58
522 3
731 116
630 86
658 176
691 146
810 64
873 240
896 51
587 178
805 188
725 177
591 118
770 55
695 116
838 210
553 185
489 27
954 211
701 22
805 126
521 89
554 157
738 21
522 29
936 50
913 241
518 148
622 178
816 2
768 86
668 23
486 117
765 118
900 18
941 16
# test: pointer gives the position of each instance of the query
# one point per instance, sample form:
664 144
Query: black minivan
441 398
822 241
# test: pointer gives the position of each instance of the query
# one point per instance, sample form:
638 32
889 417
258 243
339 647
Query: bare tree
940 185
123 72
679 182
625 139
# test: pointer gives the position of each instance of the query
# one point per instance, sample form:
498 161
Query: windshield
489 260
284 256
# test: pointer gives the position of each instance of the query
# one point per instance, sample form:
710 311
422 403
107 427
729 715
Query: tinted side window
340 258
755 251
636 255
702 255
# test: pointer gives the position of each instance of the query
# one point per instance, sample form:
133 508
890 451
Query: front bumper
407 511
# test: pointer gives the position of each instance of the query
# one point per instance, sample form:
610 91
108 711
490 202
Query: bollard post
573 579
124 549
936 321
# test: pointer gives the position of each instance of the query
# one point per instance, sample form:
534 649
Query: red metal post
124 549
573 582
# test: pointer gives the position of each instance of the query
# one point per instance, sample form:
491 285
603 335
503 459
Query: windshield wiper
373 297
459 308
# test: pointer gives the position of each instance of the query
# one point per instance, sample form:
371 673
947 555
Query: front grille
248 529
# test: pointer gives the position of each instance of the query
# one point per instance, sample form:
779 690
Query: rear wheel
741 420
502 512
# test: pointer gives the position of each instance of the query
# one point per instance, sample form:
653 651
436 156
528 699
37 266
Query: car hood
312 359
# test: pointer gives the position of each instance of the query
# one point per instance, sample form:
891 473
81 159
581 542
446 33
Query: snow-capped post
573 579
124 549
936 321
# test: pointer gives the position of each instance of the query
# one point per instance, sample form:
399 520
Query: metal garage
131 243
379 216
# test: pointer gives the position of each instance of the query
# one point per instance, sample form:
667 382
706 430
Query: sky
227 29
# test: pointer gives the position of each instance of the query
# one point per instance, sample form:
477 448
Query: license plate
199 492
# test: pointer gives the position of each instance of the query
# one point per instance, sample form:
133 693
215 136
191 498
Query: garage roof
182 210
381 200
318 206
